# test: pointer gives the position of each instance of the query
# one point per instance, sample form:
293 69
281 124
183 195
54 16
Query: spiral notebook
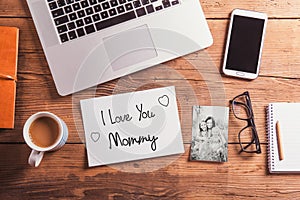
288 115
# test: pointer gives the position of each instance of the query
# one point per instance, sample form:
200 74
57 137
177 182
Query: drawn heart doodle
95 136
164 100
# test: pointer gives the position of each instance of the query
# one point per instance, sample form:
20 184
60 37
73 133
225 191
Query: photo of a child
210 134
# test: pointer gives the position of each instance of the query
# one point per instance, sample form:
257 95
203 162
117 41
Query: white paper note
132 126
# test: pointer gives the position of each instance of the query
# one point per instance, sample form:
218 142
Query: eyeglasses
242 110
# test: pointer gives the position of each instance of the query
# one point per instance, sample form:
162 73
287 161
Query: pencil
279 141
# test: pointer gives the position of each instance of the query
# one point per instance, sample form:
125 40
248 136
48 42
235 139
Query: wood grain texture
280 54
38 93
64 174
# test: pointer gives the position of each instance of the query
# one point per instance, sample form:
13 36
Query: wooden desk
64 174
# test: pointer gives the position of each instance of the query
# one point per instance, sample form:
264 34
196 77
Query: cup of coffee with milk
42 132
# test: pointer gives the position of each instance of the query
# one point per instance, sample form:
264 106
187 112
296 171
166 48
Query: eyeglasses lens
240 108
246 137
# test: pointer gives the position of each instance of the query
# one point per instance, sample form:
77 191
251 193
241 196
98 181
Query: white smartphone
244 43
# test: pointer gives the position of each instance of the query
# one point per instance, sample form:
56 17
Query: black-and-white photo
210 133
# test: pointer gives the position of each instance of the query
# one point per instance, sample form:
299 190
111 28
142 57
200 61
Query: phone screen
244 44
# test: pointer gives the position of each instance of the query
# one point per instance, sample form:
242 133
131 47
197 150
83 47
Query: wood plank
64 174
279 58
212 9
277 43
36 92
273 8
14 8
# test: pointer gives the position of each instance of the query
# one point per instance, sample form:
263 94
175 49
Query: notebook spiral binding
270 131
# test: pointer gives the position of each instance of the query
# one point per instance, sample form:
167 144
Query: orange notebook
9 37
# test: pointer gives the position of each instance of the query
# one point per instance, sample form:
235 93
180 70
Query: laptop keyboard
77 18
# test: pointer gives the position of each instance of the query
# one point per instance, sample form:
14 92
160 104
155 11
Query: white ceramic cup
37 152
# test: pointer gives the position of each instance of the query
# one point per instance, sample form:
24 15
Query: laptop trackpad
130 47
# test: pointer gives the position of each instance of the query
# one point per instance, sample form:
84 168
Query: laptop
89 42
